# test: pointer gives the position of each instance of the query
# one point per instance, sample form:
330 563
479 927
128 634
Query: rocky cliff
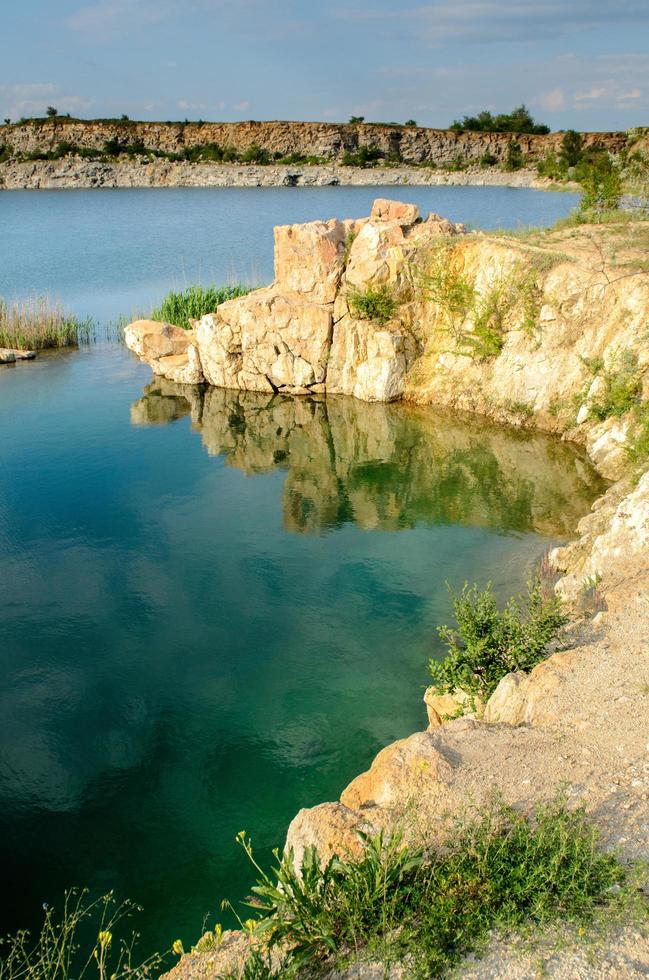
548 332
329 140
534 332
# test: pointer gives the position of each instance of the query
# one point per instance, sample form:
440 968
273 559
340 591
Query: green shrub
571 148
255 154
194 302
363 157
518 121
400 903
601 183
373 303
621 386
38 324
80 943
488 160
551 167
488 643
514 156
6 152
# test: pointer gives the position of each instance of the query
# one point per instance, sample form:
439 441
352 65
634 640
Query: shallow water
113 252
217 607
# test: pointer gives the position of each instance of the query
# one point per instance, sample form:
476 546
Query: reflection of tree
383 466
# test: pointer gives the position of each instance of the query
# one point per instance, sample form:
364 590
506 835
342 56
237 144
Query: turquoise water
216 606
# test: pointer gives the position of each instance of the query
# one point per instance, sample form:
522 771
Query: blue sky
576 63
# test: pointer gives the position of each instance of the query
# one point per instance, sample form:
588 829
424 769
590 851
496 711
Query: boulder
7 355
405 770
441 707
266 341
330 827
385 210
169 350
309 259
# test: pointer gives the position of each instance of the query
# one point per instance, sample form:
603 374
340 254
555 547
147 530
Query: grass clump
619 390
194 302
428 909
488 643
376 303
638 444
39 324
79 943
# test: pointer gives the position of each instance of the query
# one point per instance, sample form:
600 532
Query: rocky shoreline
579 721
74 172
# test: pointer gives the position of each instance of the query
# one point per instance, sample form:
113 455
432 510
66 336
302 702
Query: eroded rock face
169 350
298 335
400 772
269 340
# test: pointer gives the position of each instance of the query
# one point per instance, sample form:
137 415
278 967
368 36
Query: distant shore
74 172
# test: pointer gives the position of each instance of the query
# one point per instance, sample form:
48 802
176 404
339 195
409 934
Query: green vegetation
638 444
428 908
601 188
80 943
619 389
571 148
362 157
37 324
514 156
194 302
519 120
376 303
488 643
479 321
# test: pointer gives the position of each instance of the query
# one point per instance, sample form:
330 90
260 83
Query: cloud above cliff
577 63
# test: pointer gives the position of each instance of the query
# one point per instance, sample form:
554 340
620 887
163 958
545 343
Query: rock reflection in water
383 466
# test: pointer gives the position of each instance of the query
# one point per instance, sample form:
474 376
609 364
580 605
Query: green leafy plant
376 303
428 907
488 642
194 302
81 942
620 386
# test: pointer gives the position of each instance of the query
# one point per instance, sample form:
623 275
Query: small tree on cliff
52 111
571 148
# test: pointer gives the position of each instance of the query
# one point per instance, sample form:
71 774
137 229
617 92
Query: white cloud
552 101
241 106
33 98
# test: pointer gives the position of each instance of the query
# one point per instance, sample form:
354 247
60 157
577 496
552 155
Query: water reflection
383 467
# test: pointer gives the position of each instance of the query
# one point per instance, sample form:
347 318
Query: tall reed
38 323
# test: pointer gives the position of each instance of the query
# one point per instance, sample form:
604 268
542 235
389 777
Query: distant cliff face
330 140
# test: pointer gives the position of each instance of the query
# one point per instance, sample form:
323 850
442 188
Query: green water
218 606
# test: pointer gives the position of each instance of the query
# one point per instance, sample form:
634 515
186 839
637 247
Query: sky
581 64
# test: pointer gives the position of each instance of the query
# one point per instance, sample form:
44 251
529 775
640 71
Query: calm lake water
216 606
113 252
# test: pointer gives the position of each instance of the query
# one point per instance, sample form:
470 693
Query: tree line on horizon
519 120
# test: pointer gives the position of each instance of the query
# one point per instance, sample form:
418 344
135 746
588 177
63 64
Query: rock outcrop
301 335
393 306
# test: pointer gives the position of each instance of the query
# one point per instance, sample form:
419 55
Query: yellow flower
218 933
178 947
105 938
250 925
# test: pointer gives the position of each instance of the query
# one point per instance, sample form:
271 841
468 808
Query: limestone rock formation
300 335
169 350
